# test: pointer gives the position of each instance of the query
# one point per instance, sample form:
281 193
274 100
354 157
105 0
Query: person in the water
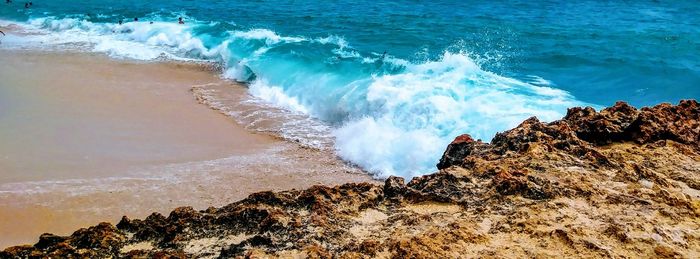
120 22
380 61
180 21
136 19
26 5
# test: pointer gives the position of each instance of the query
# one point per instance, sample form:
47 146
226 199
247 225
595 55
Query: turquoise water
449 68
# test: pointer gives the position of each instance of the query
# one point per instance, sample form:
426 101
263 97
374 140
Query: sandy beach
85 138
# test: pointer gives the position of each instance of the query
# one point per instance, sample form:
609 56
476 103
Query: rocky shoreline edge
620 182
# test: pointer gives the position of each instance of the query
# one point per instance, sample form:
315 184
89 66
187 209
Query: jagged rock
97 241
394 187
457 150
47 240
620 182
625 123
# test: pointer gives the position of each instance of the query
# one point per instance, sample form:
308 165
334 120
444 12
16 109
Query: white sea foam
536 80
135 40
263 34
418 112
272 94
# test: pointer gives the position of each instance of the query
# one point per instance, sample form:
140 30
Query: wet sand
87 139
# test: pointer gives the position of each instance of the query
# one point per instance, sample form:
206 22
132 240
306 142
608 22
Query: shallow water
450 68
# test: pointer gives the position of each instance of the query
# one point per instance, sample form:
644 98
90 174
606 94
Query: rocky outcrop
620 182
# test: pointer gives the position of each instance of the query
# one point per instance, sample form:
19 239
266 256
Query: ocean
388 84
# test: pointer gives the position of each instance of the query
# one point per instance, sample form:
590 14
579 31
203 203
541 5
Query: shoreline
128 116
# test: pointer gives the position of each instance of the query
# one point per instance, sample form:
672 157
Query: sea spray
413 115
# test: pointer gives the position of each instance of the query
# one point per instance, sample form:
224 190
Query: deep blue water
451 66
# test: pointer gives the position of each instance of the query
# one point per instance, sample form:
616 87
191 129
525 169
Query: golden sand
87 139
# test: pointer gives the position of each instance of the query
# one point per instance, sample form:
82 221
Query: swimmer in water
180 21
26 5
136 19
120 22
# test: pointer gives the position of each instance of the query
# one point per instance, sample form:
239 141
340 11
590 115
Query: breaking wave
388 115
